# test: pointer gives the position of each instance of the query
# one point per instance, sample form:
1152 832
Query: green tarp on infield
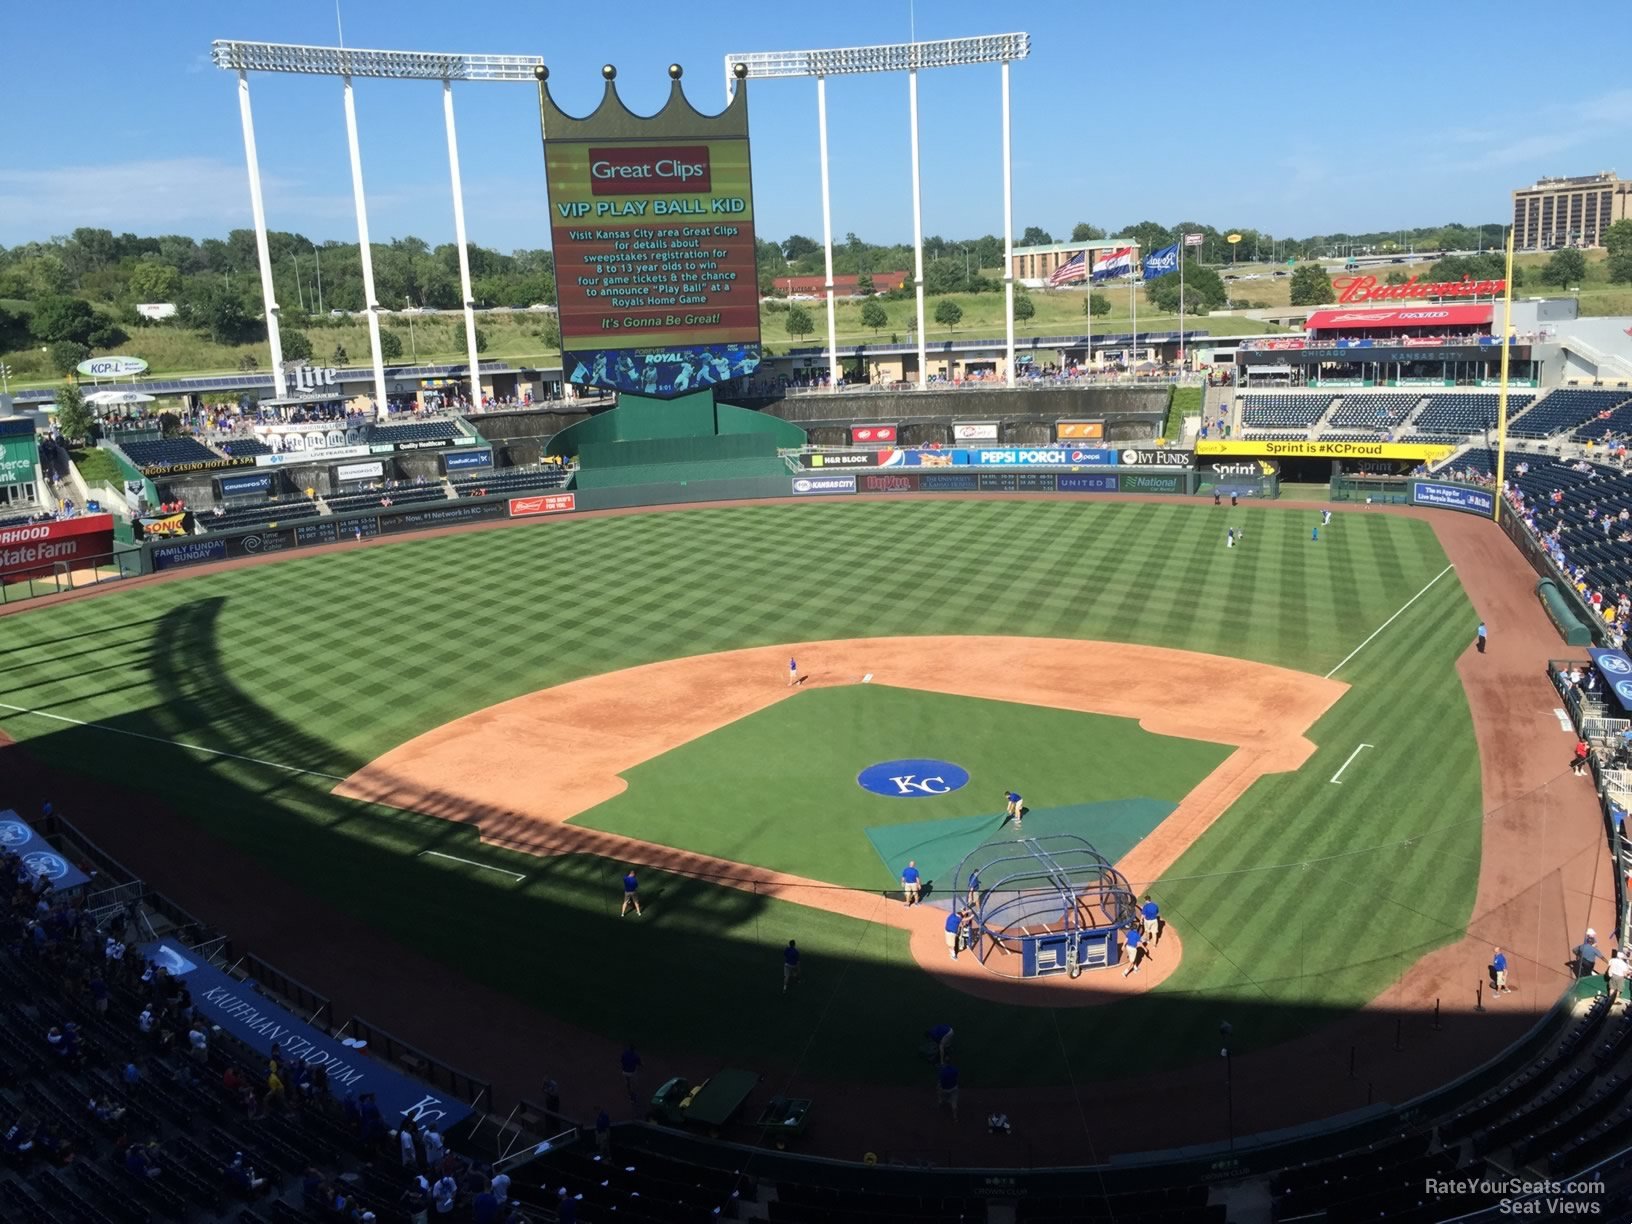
1111 826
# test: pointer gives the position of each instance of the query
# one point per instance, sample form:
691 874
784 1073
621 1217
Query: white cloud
160 196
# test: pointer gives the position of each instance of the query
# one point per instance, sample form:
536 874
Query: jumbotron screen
654 263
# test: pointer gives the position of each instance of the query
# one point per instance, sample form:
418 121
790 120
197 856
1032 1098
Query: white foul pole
1008 232
269 300
1133 311
465 294
827 236
1182 250
918 229
371 302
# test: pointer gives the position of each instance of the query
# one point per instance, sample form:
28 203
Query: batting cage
1045 905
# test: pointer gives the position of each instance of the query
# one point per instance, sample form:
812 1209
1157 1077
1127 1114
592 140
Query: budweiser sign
1366 289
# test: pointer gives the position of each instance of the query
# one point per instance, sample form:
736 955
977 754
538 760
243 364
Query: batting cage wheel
1047 905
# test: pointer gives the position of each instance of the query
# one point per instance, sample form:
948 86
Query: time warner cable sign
652 223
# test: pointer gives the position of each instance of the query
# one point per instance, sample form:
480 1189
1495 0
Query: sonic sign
1353 289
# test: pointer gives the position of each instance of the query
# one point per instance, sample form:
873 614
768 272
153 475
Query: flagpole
1181 304
1133 310
1088 306
1501 397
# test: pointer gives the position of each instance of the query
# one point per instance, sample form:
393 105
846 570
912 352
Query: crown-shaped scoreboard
652 224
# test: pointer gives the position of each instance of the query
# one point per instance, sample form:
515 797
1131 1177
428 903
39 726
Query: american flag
1072 270
1192 240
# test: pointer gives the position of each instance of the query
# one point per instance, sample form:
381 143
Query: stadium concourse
1556 1104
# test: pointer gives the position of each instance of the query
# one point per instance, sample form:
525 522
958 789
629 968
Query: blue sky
1317 118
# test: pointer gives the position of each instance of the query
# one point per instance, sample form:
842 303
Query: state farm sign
649 171
38 548
1366 289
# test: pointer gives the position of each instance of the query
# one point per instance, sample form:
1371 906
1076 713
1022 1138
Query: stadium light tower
346 62
906 57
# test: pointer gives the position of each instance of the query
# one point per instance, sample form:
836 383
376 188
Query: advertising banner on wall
465 461
867 435
240 486
38 856
359 471
29 550
1045 456
886 456
652 226
323 456
975 431
804 486
948 482
1017 482
1086 482
189 552
442 516
1156 457
1080 431
1149 482
242 1011
548 503
887 482
18 455
1420 452
1452 497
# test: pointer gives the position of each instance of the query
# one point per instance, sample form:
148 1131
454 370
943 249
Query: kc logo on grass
912 779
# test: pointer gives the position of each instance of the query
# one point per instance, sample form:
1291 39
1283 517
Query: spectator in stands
141 1161
409 1153
484 1208
629 1062
946 1090
444 1194
241 1175
603 1132
435 1150
103 1111
1587 955
275 1094
500 1185
1616 974
198 1044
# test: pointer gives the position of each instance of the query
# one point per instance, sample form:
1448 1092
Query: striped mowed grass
306 669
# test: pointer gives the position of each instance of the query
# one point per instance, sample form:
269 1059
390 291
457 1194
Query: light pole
299 294
5 379
317 257
410 313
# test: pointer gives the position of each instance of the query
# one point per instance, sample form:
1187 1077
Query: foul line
1350 761
469 863
1391 619
159 739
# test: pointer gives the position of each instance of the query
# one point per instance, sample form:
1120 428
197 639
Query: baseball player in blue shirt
1151 917
954 922
1016 807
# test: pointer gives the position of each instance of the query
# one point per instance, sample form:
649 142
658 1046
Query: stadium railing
474 1092
85 572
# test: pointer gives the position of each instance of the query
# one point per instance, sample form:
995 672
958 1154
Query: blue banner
459 461
1164 262
1452 497
1043 456
241 1010
193 552
237 486
1072 482
18 837
1616 668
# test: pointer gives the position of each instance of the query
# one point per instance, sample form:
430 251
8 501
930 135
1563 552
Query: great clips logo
649 171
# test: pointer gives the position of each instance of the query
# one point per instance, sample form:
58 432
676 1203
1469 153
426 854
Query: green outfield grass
325 662
778 789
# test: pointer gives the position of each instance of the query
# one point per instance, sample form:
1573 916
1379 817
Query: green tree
59 317
481 341
1396 277
64 355
390 346
297 346
107 335
797 246
1618 241
874 315
1310 285
223 316
550 334
1083 232
1024 307
1150 235
1566 267
799 322
948 313
152 281
339 357
1036 235
864 283
13 331
1203 290
73 414
1096 305
247 362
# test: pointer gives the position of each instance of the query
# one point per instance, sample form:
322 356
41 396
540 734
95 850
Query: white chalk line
173 743
1350 761
518 877
1391 619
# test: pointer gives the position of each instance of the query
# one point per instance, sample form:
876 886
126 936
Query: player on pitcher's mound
1015 809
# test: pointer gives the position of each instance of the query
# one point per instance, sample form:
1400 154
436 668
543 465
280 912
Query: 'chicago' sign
1366 289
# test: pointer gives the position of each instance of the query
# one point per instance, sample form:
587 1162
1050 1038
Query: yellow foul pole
1501 397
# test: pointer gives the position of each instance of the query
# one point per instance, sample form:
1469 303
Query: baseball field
453 680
